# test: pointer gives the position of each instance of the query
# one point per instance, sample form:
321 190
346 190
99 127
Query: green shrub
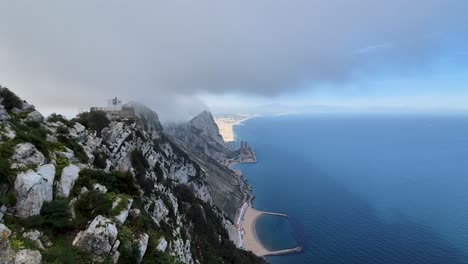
116 181
63 130
62 252
100 160
72 144
6 173
35 134
60 118
10 100
7 199
94 120
90 205
57 216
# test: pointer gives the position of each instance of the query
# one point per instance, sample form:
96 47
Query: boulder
79 127
121 217
99 239
67 180
162 245
100 188
5 233
27 256
7 255
35 116
32 189
34 236
26 154
67 154
3 209
142 243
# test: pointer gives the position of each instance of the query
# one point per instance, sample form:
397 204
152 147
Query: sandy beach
251 242
226 125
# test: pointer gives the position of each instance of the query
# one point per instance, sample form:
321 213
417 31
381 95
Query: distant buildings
115 109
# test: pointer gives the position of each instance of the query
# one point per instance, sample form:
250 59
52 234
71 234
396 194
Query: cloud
154 51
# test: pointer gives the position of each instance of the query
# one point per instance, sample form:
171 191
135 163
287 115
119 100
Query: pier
247 216
283 252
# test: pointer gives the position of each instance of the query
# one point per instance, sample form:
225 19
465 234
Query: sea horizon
361 188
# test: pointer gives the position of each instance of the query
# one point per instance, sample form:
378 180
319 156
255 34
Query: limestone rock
27 256
100 188
79 127
142 245
122 216
7 255
162 245
32 189
35 116
68 154
67 180
34 236
160 211
3 209
98 239
26 154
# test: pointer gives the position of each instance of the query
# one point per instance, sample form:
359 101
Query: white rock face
5 232
79 127
7 255
3 209
67 180
160 211
48 173
26 154
142 245
34 236
100 188
162 245
99 239
182 251
32 189
122 216
27 256
35 116
68 154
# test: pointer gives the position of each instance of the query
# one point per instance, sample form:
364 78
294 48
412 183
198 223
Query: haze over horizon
181 57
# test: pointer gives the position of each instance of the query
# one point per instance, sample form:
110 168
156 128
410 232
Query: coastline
226 125
247 216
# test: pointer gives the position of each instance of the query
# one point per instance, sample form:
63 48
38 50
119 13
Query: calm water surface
362 189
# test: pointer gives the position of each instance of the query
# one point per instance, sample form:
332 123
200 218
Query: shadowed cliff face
201 139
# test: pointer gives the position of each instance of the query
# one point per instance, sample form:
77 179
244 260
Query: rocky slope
200 138
129 195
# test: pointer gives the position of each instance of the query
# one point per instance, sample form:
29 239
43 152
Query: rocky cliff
132 194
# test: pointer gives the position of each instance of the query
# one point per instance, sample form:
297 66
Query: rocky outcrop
142 244
26 154
99 239
35 116
26 256
69 175
201 134
162 245
121 217
34 235
181 250
32 189
206 126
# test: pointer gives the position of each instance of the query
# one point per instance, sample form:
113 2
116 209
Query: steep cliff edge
129 195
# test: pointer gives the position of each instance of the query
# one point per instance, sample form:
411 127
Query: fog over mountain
167 53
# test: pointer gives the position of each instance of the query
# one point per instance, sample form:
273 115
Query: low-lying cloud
164 53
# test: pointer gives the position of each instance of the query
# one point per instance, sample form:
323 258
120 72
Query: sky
181 57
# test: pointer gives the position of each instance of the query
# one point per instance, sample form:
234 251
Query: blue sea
361 188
